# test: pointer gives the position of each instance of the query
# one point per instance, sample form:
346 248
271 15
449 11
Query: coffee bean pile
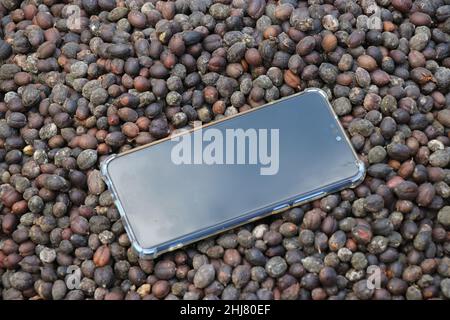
82 79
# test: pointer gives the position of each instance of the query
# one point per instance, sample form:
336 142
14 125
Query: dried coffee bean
21 280
165 270
276 267
204 276
86 159
444 216
102 256
256 8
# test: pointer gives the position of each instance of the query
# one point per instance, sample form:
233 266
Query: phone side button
309 198
280 208
175 247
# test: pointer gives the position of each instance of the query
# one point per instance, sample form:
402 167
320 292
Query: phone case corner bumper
144 253
359 177
104 166
319 91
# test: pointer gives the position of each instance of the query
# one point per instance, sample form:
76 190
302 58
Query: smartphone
211 178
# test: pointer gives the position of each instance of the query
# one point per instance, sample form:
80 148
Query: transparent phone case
272 208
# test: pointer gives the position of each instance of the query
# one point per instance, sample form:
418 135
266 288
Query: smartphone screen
232 171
